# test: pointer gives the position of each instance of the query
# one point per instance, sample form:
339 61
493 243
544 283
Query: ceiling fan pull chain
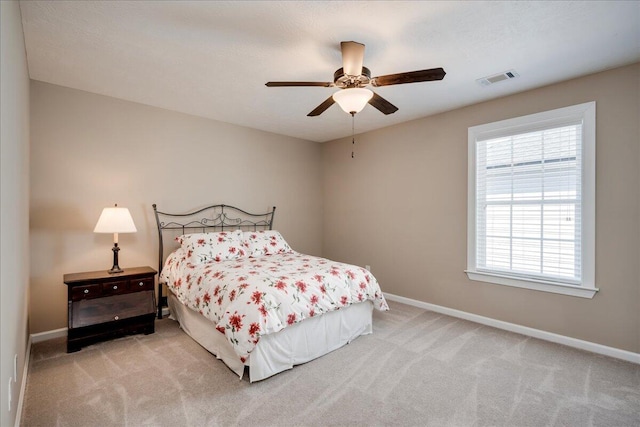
353 133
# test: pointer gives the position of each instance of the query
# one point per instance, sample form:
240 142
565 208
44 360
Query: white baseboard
524 330
23 383
48 335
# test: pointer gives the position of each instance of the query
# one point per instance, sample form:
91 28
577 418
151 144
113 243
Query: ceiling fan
352 79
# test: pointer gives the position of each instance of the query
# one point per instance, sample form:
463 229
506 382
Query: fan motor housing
343 80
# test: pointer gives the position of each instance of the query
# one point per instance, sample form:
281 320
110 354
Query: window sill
536 285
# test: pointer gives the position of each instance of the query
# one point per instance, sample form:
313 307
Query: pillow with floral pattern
266 242
219 246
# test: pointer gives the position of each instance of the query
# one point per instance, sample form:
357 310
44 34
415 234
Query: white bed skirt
277 352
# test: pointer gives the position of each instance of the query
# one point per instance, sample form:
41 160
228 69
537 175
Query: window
531 198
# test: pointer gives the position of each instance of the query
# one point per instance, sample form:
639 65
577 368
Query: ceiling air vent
489 80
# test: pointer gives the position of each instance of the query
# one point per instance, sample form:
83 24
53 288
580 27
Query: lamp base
116 268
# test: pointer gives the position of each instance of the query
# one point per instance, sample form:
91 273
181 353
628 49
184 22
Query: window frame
586 113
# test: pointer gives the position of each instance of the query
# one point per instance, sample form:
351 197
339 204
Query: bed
238 289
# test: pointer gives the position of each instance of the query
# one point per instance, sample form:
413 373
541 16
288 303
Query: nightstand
103 305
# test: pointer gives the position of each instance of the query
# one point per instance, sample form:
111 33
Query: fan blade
382 104
322 107
410 77
283 84
352 58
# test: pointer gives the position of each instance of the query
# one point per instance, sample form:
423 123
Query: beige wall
401 206
91 151
14 206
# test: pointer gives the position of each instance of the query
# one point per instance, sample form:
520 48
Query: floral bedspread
250 297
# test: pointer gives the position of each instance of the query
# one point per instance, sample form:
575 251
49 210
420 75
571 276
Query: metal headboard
209 219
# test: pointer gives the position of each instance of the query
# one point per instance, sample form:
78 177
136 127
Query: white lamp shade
352 100
115 220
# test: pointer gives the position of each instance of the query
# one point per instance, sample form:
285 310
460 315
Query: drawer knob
141 284
115 287
86 291
116 317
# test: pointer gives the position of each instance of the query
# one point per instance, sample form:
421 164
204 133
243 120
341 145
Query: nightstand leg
71 348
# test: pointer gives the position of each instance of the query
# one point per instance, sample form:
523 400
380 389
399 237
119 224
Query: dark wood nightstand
103 305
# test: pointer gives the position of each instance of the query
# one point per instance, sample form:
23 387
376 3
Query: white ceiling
212 58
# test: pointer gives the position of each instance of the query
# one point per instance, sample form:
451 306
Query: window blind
528 203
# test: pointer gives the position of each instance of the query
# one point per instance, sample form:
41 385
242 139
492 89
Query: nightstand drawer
85 292
114 288
113 308
146 284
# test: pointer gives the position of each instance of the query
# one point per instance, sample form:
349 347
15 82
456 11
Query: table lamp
115 220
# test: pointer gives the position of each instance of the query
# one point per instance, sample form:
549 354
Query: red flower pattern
291 319
302 287
263 310
256 297
254 328
235 320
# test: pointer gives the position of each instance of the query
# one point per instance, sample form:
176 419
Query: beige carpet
418 368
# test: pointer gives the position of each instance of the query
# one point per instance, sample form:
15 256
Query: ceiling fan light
352 100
